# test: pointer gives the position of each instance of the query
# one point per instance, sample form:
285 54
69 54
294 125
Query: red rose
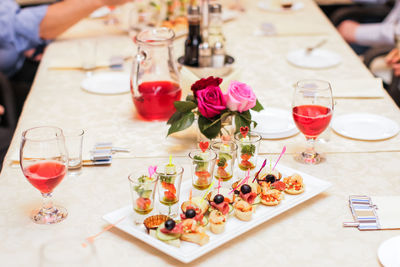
205 82
210 101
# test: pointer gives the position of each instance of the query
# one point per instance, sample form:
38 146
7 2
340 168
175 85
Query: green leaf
213 123
183 123
209 128
258 107
241 121
184 106
246 115
190 98
175 117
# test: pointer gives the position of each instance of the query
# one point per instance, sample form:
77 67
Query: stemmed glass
44 162
312 110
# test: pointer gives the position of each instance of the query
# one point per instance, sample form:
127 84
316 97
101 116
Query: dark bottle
193 41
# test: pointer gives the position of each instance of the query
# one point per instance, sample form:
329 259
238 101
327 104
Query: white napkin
388 211
358 88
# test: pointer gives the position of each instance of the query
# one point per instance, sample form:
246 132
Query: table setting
164 157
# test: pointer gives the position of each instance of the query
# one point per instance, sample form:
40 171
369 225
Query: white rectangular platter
234 227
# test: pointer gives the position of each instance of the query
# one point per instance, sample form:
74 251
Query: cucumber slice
225 156
230 209
147 193
204 222
166 237
257 200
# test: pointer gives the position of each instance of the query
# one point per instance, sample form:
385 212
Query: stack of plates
274 123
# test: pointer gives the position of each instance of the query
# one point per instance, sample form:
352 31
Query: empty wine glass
312 110
44 162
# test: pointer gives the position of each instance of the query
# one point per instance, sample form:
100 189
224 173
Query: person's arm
347 30
62 15
374 34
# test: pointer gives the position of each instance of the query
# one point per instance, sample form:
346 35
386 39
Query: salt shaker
218 55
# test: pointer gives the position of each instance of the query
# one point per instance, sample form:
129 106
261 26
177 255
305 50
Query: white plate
317 59
274 123
270 6
107 83
234 227
389 252
365 126
100 12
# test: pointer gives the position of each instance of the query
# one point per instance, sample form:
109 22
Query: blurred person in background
361 36
393 60
25 32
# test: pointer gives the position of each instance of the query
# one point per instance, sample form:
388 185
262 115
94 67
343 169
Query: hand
396 69
347 30
2 110
393 57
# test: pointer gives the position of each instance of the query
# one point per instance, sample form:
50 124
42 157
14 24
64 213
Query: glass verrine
248 147
226 156
143 188
44 162
169 179
312 110
202 168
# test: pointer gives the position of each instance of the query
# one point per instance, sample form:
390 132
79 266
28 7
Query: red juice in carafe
156 99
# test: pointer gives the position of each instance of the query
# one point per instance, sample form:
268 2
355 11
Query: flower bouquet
212 107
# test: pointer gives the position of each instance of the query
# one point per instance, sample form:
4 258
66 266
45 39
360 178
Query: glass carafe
154 76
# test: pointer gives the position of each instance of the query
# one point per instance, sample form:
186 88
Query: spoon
318 45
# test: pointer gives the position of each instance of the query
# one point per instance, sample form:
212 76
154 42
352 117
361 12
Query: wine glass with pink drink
44 162
312 110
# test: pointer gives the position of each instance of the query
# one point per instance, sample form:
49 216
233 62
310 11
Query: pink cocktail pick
280 156
152 170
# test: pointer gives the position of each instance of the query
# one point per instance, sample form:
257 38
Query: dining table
309 234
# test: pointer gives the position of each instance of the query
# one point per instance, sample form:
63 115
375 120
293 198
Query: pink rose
240 97
210 101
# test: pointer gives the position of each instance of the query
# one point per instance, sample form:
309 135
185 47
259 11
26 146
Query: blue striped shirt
19 31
